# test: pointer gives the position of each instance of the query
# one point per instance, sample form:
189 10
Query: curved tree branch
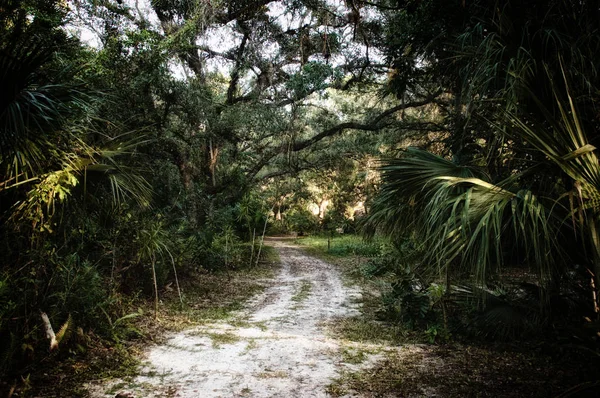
373 125
377 123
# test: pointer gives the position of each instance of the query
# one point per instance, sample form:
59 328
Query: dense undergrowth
89 355
465 349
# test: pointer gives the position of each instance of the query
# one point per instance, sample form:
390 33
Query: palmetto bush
522 185
459 216
52 181
471 225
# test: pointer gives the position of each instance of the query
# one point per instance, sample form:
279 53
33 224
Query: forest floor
306 335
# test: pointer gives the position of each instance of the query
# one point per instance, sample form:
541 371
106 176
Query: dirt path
278 347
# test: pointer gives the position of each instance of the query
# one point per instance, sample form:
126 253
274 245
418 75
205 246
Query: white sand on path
283 351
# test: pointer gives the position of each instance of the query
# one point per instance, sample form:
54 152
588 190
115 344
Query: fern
65 330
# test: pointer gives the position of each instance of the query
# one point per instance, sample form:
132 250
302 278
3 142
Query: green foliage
407 302
344 245
406 297
461 217
121 328
251 212
469 221
437 333
226 250
78 290
302 221
313 77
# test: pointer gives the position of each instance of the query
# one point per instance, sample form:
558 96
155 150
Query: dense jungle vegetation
145 142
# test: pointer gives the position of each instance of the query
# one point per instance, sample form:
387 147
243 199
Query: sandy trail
281 350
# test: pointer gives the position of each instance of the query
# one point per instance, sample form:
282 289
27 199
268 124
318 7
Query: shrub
302 221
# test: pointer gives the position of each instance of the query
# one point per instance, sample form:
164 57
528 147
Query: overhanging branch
373 125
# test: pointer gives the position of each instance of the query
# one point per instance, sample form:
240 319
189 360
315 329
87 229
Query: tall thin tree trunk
252 250
445 298
226 249
214 153
114 263
176 278
153 260
263 237
227 255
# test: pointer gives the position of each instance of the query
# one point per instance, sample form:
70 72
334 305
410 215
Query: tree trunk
252 250
176 278
263 238
153 260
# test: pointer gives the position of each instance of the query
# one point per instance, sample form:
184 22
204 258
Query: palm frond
463 220
64 332
566 144
409 180
52 188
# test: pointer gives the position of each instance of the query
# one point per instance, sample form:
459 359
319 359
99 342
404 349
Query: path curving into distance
280 349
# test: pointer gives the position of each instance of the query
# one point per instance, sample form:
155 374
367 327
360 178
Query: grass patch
388 376
250 345
354 355
360 329
261 325
342 245
463 371
273 374
303 292
218 296
219 339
